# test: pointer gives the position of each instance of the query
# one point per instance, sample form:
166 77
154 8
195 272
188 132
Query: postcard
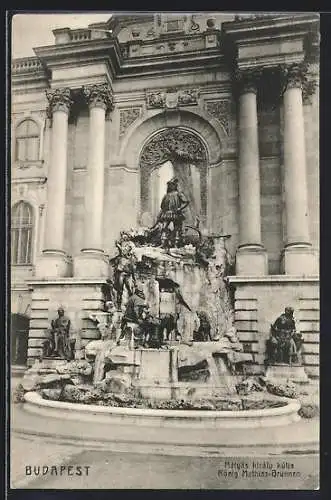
164 250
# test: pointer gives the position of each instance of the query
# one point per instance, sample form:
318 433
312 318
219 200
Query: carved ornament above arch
173 144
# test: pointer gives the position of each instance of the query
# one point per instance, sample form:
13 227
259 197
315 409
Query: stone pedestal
300 260
285 373
54 264
155 365
251 260
90 264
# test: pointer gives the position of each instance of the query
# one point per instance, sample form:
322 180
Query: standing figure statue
171 215
108 296
59 342
284 344
124 268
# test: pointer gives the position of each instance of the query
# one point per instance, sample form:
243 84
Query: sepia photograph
164 250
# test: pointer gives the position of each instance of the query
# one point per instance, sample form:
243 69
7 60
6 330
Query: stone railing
67 35
80 35
26 64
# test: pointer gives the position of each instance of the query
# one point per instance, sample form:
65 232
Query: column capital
99 95
293 75
59 100
247 80
298 76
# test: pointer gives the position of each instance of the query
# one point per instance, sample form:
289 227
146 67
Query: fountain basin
198 419
179 390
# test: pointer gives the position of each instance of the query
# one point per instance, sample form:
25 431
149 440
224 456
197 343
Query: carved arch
189 157
150 123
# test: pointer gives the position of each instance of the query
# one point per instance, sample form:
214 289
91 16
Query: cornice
277 279
108 51
298 29
275 24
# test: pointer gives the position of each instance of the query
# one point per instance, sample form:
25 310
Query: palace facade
95 117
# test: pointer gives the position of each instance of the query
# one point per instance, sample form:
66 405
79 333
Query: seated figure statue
284 344
58 342
132 317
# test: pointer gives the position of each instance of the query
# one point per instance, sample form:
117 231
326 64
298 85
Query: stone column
251 258
299 257
54 261
92 262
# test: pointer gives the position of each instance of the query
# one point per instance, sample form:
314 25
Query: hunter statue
171 217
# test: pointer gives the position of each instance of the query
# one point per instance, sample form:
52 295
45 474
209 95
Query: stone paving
25 452
112 469
127 470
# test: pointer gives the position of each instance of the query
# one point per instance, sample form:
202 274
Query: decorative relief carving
99 95
194 25
172 98
172 144
127 117
221 110
59 100
247 80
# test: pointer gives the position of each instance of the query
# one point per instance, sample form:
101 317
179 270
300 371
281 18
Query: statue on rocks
151 328
124 264
285 343
219 307
132 317
109 295
203 332
171 216
58 342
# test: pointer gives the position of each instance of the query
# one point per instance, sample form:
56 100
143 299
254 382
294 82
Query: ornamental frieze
99 95
59 100
221 110
127 117
172 98
172 144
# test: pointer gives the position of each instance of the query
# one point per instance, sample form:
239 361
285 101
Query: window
21 234
27 141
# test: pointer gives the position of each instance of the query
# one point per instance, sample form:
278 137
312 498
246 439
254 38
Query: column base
91 264
251 260
300 260
54 264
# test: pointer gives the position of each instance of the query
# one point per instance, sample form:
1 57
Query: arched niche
174 152
213 136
